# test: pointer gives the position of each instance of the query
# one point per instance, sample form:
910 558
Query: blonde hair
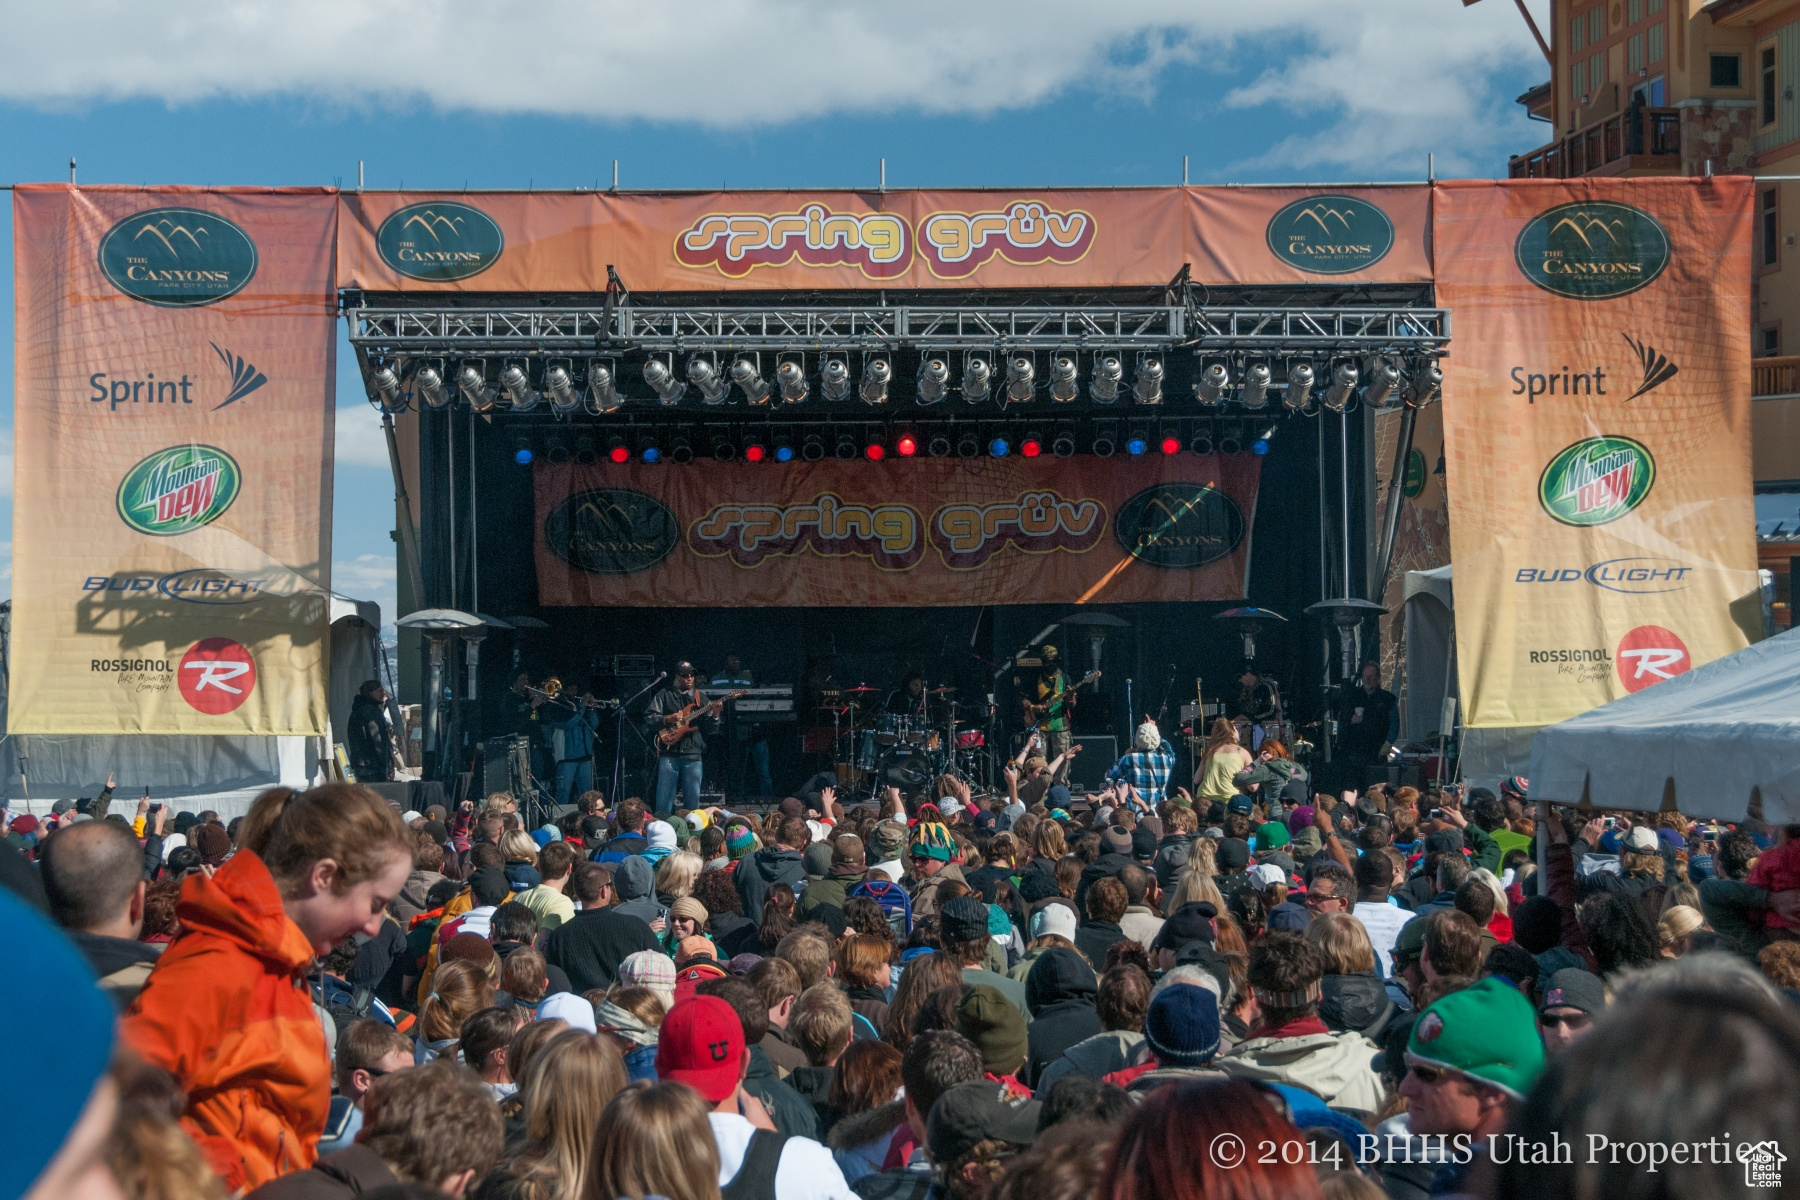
1196 881
1492 882
1223 734
1633 863
641 1002
1343 943
525 975
350 825
1677 924
517 845
676 874
459 990
569 1083
654 1139
1047 839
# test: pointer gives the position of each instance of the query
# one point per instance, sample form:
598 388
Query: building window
1636 10
1596 71
1771 228
1578 82
1655 7
1771 341
1634 53
1656 42
1596 24
1767 63
1578 34
1727 71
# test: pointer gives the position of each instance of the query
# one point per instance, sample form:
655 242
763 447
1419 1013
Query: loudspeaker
505 760
1098 753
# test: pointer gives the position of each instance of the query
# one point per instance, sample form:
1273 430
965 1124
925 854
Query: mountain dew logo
1596 480
178 490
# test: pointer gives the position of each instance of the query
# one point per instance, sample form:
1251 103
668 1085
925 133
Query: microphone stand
619 734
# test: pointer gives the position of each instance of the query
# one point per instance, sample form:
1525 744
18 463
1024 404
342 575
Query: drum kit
907 750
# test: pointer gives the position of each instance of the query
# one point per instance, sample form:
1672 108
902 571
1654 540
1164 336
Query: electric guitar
1035 712
688 720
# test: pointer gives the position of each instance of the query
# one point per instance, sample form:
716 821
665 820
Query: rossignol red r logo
216 676
1650 654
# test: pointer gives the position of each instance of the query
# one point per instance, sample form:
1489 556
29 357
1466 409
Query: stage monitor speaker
499 768
400 791
1098 753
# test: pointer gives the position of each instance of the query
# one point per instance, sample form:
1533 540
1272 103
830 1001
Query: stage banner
898 533
1310 235
1597 437
174 367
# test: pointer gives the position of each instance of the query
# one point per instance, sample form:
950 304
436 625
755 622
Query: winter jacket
228 1013
635 882
1097 1057
1356 1002
1735 909
349 1172
833 889
1171 859
1060 991
1095 938
591 947
814 1086
758 871
787 1108
860 1143
733 933
121 964
411 900
1149 1081
924 892
1282 779
1336 1067
871 1005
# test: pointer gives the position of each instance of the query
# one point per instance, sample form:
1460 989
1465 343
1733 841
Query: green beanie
1271 835
1409 946
989 1019
1487 1032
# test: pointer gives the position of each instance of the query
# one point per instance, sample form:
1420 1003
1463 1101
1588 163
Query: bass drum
906 767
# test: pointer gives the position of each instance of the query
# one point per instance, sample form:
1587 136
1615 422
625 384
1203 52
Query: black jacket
758 871
1356 1002
350 1172
1094 938
671 701
1060 991
1172 859
371 741
787 1108
591 947
733 933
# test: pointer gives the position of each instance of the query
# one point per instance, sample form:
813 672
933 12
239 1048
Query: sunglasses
1565 1020
1313 901
1428 1075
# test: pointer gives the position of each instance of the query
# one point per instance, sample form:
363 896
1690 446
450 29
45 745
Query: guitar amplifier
1098 753
633 666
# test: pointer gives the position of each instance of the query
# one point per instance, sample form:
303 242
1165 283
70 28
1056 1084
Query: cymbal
860 689
940 691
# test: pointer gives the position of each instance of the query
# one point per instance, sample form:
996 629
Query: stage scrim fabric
913 532
1596 423
173 421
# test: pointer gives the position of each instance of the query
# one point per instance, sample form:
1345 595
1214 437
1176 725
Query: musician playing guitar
680 722
1049 703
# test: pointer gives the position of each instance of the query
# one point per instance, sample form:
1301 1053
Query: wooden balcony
1638 141
1776 376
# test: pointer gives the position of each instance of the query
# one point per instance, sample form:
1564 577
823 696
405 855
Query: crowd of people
1263 992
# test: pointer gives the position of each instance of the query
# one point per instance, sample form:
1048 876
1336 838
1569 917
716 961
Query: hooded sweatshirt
1336 1067
1097 1057
228 1013
634 879
1356 1002
1060 991
758 871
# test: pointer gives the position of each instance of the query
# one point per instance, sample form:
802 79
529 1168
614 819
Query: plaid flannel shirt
1146 770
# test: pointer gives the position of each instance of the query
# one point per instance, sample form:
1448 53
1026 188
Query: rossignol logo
1025 232
177 257
1330 235
876 243
1650 654
179 489
1595 250
611 531
1179 525
1658 370
1596 480
440 242
216 676
114 390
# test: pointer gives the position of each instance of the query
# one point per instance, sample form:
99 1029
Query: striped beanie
739 841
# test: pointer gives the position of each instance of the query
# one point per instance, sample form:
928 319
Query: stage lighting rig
1106 439
1063 445
747 374
834 377
1384 376
877 374
1202 441
846 446
472 382
907 444
585 454
934 380
703 373
659 373
1299 387
1031 445
386 385
784 448
1231 438
1343 384
1147 386
939 446
977 378
1169 442
648 448
1210 387
722 448
812 447
556 450
1021 379
874 449
428 384
603 387
1064 386
1136 440
969 444
522 450
517 385
1260 446
1427 379
617 452
1257 378
1103 388
559 386
754 449
790 376
999 447
681 448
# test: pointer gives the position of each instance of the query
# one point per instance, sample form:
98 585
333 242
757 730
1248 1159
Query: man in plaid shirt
1148 766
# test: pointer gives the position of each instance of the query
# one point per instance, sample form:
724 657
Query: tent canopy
1714 736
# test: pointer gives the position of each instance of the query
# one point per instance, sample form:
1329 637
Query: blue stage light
1136 445
998 448
1259 446
522 456
652 454
784 453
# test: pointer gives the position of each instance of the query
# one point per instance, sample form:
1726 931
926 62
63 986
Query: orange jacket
227 1011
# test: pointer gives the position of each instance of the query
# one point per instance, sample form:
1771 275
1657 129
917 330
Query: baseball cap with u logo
702 1045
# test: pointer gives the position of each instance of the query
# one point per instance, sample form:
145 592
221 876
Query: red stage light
1171 444
619 454
755 452
876 451
907 445
1031 447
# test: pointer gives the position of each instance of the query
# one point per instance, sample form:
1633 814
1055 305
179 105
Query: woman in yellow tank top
1219 765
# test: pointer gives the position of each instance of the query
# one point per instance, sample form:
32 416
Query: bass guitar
1036 712
688 719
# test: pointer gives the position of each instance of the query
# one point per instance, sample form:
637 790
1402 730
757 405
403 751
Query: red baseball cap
702 1045
690 978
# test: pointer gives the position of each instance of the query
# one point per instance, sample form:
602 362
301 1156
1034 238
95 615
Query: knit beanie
989 1019
1537 924
817 860
687 906
1487 1032
650 969
1301 817
1182 1026
1035 886
739 841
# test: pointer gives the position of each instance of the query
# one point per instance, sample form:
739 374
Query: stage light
877 374
1231 440
560 388
555 449
584 451
617 451
1147 387
1064 443
681 449
875 451
1063 385
906 445
517 386
812 447
999 447
834 378
1384 376
746 374
756 448
977 379
1031 445
1343 382
1427 379
791 377
1260 446
387 389
662 381
784 452
1103 388
1105 440
1299 386
522 450
1202 441
1136 442
603 388
703 373
1210 387
969 445
939 446
473 386
429 384
648 450
1256 385
1170 443
934 380
722 449
1021 379
846 447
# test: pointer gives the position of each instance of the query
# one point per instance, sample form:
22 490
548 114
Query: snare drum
934 742
971 739
889 728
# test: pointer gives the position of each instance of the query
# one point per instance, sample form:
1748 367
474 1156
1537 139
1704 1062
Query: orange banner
1596 431
899 533
729 241
173 422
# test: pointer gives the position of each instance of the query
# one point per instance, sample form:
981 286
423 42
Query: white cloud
368 577
1392 76
360 439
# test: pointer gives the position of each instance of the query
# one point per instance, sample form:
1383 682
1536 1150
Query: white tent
1709 739
1430 651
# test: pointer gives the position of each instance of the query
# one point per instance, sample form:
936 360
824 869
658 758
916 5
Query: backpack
895 904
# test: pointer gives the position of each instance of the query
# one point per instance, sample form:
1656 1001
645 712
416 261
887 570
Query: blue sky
760 93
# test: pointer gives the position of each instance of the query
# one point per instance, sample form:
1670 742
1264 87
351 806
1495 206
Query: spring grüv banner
173 422
914 532
1596 425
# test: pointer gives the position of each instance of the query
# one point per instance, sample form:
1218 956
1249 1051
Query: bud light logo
1650 654
1596 480
216 676
178 490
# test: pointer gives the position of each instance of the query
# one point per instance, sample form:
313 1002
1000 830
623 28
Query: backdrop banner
1597 437
173 423
907 533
